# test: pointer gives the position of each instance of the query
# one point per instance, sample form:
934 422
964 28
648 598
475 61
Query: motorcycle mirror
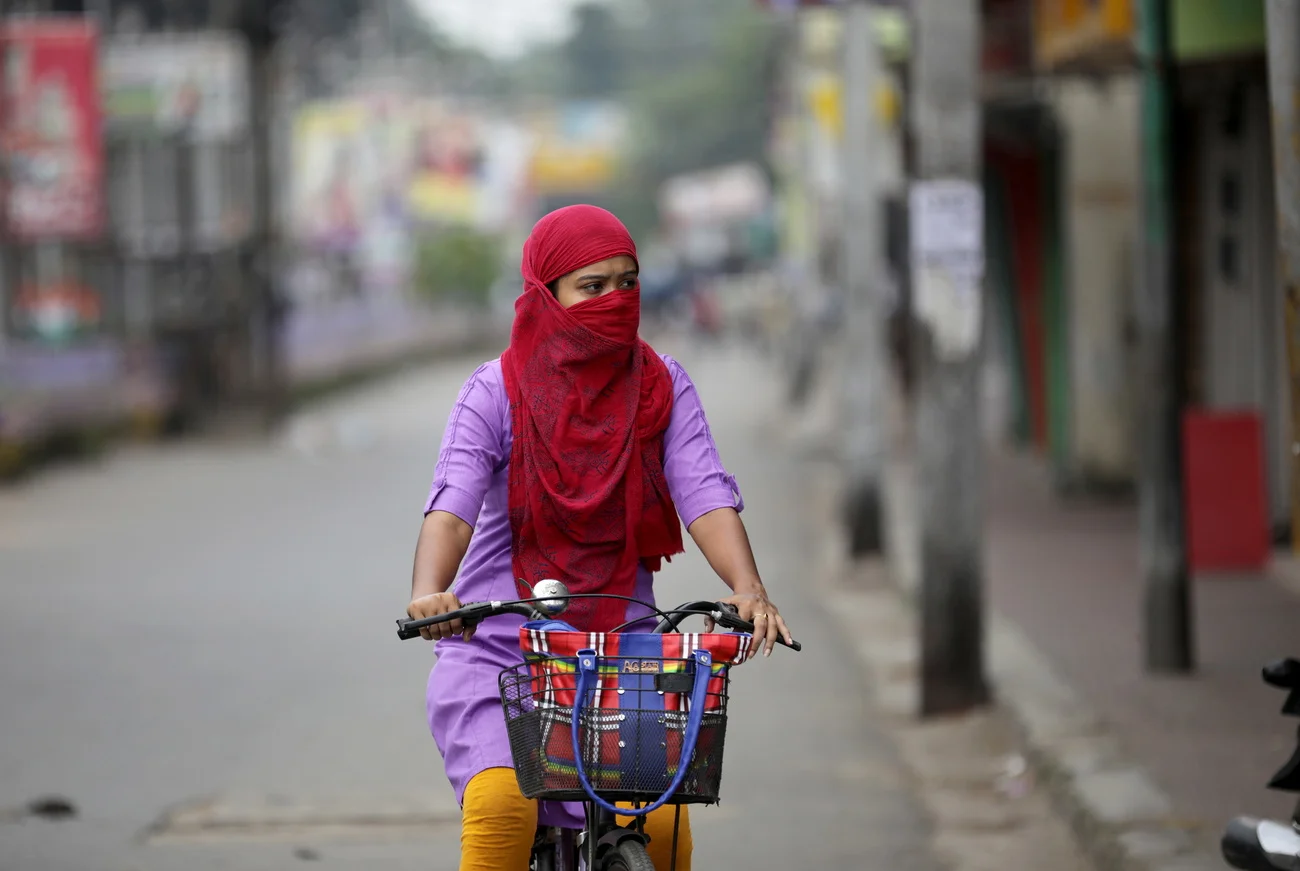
1283 674
553 595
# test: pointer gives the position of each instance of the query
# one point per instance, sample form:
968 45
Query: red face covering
589 404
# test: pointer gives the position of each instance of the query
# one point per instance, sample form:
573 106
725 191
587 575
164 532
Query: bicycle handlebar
471 615
723 614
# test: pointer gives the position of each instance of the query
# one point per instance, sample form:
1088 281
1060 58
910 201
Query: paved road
213 623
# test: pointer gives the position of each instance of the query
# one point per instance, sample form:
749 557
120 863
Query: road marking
279 818
269 817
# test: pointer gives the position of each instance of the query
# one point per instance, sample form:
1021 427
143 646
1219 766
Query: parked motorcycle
1264 845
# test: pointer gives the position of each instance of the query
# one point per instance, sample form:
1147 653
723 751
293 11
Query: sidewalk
1067 576
1174 757
1149 769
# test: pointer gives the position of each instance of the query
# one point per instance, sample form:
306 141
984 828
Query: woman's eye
630 284
592 288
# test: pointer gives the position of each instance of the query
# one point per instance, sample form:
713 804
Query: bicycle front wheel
630 856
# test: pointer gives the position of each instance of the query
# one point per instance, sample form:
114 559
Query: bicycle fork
611 834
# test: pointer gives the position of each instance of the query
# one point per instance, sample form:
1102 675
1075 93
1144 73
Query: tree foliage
458 264
694 75
709 112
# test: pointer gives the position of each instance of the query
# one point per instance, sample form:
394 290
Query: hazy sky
501 27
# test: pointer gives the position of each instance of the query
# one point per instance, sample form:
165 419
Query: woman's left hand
769 625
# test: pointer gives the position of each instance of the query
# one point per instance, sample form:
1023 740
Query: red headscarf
589 404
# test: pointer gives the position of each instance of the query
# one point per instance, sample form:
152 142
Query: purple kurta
469 481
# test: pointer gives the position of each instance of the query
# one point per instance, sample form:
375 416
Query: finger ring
760 616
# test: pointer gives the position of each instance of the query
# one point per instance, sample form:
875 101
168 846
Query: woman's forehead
611 266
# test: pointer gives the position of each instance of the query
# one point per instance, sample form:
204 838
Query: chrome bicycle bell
553 595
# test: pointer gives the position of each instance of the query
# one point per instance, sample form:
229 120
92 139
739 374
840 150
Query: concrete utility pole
947 218
267 305
865 386
8 250
1167 605
1284 94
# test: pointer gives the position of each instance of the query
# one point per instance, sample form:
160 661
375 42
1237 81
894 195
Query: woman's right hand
432 606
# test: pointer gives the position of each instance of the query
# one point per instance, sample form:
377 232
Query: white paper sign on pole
947 222
947 242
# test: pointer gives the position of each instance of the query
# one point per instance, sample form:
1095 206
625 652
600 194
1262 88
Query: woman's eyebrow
601 276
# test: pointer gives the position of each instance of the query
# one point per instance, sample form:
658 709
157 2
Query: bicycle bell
553 595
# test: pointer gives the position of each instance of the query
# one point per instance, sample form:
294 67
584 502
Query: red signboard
50 129
1226 497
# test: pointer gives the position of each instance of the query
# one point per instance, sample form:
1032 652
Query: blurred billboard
372 178
162 85
578 147
177 111
50 129
350 192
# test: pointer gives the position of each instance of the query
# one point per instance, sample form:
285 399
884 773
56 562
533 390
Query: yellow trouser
498 826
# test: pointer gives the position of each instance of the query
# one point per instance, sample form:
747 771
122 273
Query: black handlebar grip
793 645
406 631
746 626
470 615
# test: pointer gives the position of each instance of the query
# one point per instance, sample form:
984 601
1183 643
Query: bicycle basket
633 724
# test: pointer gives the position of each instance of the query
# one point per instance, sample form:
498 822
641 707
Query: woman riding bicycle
571 457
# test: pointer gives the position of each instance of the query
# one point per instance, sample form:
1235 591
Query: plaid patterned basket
640 692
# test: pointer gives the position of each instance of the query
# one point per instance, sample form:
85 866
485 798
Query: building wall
1099 124
1241 343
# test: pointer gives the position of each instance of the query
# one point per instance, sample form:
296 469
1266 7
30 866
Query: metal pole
813 277
865 386
102 12
266 302
947 264
1167 598
8 254
1284 93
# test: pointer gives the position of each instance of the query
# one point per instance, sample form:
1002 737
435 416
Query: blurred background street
994 306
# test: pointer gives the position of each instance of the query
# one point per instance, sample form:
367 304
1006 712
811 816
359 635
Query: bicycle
1264 845
552 690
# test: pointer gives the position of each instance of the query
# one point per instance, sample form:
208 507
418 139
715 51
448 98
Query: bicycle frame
555 849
